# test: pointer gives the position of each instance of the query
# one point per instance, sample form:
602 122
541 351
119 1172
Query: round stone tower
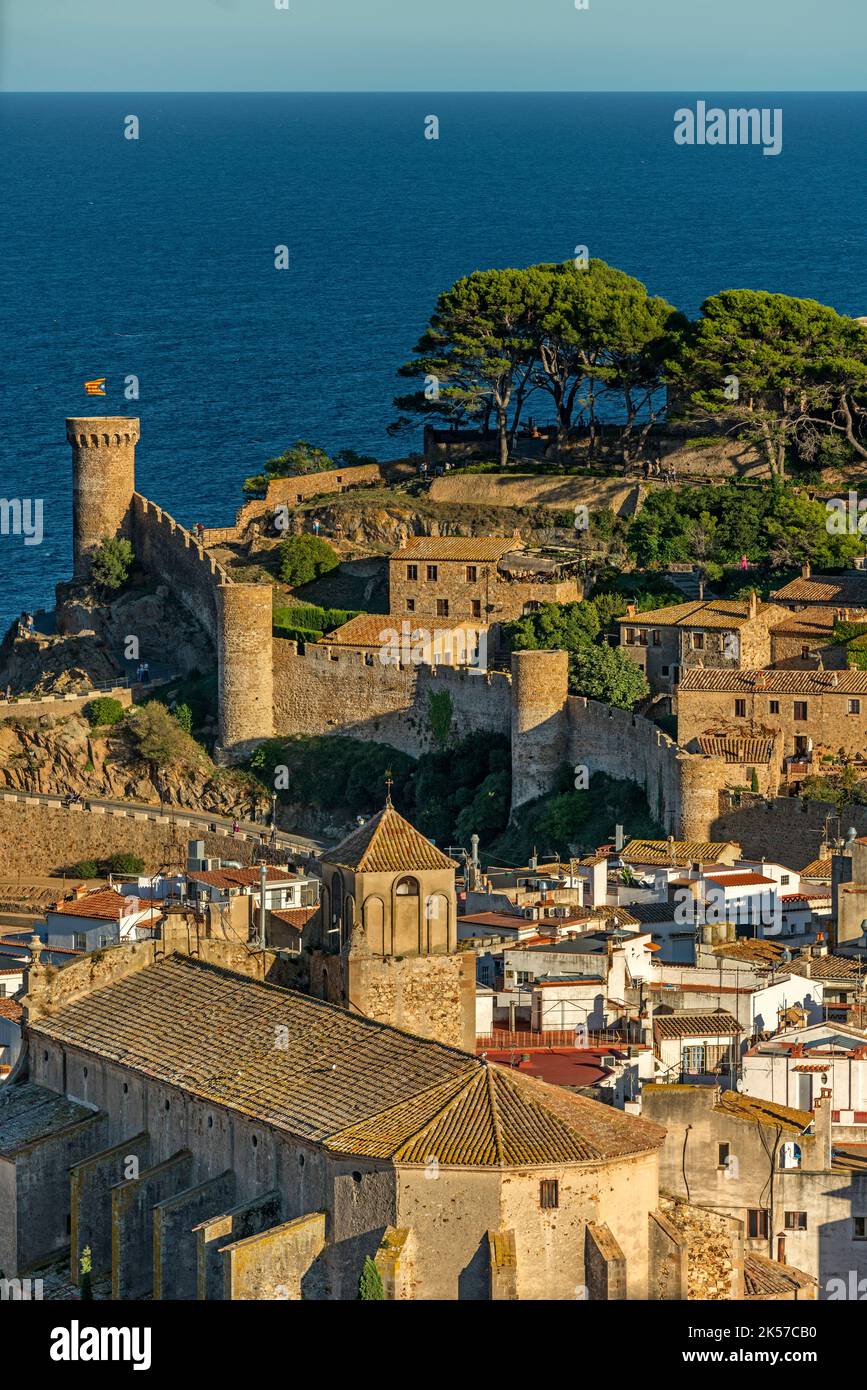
103 482
540 722
244 665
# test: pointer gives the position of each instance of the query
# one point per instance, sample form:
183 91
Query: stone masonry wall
174 555
36 837
333 691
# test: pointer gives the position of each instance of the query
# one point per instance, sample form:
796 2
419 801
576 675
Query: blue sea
155 258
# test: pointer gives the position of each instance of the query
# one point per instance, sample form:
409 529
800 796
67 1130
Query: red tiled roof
295 916
741 880
10 1009
104 904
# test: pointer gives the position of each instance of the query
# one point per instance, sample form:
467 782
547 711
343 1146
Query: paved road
179 815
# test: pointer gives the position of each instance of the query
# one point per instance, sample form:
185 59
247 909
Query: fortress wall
330 690
174 555
529 490
682 789
290 491
103 480
61 706
66 836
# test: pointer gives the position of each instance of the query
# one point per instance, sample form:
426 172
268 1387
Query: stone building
212 1135
808 708
802 1200
490 579
388 937
816 591
719 633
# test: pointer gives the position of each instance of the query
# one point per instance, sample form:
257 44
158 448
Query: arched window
336 900
406 888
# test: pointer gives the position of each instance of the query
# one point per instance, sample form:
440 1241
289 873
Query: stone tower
103 482
245 665
540 722
388 933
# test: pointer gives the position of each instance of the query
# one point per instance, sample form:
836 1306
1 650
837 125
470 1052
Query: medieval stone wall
329 690
172 554
54 837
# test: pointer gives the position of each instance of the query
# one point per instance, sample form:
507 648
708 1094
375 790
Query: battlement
102 431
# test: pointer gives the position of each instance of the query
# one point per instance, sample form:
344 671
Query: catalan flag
95 388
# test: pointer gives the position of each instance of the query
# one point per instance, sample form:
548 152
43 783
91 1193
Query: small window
740 709
406 888
698 641
795 1220
656 637
784 878
801 711
549 1194
410 605
773 707
412 571
854 707
79 941
431 571
477 607
442 608
805 653
757 1223
665 670
472 574
723 1156
859 1227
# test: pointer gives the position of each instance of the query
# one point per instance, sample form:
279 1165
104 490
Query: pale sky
432 45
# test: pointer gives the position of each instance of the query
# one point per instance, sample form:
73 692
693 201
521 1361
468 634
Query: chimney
754 603
630 610
822 1126
79 891
805 570
263 884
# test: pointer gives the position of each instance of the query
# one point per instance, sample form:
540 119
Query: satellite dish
739 1084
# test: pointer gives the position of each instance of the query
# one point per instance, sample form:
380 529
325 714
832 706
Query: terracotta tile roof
827 967
611 916
375 630
741 880
746 681
498 1118
295 916
712 613
734 749
693 1024
28 1112
10 1009
810 622
343 1081
459 548
667 853
754 950
104 904
764 1112
767 1277
497 919
818 868
387 843
653 912
848 589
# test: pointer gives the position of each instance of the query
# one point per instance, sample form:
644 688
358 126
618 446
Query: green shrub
125 864
104 711
184 716
369 1283
305 558
84 868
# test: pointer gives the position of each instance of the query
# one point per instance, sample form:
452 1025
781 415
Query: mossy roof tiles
332 1077
387 844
